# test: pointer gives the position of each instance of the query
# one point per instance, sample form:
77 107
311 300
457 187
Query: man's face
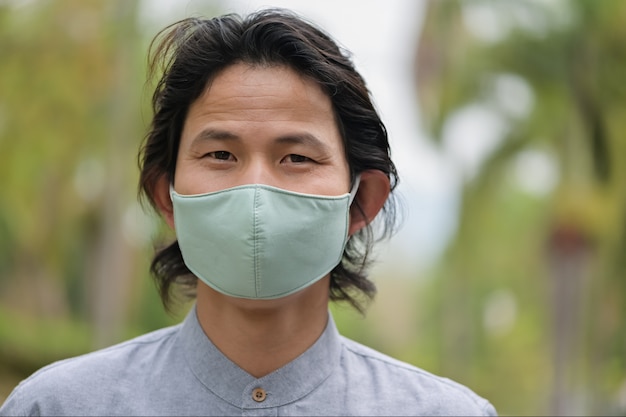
261 125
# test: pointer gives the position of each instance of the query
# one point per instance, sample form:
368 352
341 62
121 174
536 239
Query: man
268 159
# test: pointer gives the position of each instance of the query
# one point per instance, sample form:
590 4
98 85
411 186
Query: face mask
261 242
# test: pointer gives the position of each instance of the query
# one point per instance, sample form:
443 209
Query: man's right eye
222 155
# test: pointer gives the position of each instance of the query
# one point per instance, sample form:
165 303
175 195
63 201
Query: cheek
187 179
337 181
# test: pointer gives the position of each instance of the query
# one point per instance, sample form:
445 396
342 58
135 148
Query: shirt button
259 395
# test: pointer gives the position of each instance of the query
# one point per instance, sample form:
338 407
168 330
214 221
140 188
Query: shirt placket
256 401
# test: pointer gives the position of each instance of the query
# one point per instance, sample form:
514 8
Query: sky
382 38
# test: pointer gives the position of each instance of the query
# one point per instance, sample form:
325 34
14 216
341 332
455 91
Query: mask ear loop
355 188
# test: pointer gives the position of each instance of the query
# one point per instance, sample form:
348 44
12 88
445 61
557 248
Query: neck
261 336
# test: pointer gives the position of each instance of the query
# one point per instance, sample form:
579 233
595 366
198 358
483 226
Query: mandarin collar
231 383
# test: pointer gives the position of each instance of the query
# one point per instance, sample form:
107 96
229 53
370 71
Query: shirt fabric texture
178 371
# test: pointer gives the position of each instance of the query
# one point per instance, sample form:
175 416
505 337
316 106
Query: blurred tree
543 213
71 110
70 126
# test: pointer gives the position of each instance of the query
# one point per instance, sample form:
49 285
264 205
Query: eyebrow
212 134
303 138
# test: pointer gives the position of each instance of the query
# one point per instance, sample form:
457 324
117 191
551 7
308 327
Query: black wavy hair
187 55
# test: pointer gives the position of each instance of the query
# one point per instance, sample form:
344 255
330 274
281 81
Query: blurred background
507 123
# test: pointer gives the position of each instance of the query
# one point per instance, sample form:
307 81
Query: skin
266 125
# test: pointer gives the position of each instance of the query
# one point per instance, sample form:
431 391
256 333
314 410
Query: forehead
263 95
275 80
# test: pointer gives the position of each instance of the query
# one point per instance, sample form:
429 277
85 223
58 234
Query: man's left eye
295 158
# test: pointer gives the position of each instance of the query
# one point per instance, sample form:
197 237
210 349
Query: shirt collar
231 383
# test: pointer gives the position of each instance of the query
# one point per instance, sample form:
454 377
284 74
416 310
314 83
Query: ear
371 196
162 200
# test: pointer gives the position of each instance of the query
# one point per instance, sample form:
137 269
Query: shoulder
408 387
132 353
56 389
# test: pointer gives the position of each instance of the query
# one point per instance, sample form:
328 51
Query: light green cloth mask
261 242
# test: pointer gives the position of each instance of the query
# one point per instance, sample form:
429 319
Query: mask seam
268 188
257 279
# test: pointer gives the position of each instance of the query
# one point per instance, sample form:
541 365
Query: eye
296 159
221 155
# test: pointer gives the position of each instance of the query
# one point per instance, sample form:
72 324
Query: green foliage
558 253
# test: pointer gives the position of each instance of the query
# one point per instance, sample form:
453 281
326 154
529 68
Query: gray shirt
178 371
